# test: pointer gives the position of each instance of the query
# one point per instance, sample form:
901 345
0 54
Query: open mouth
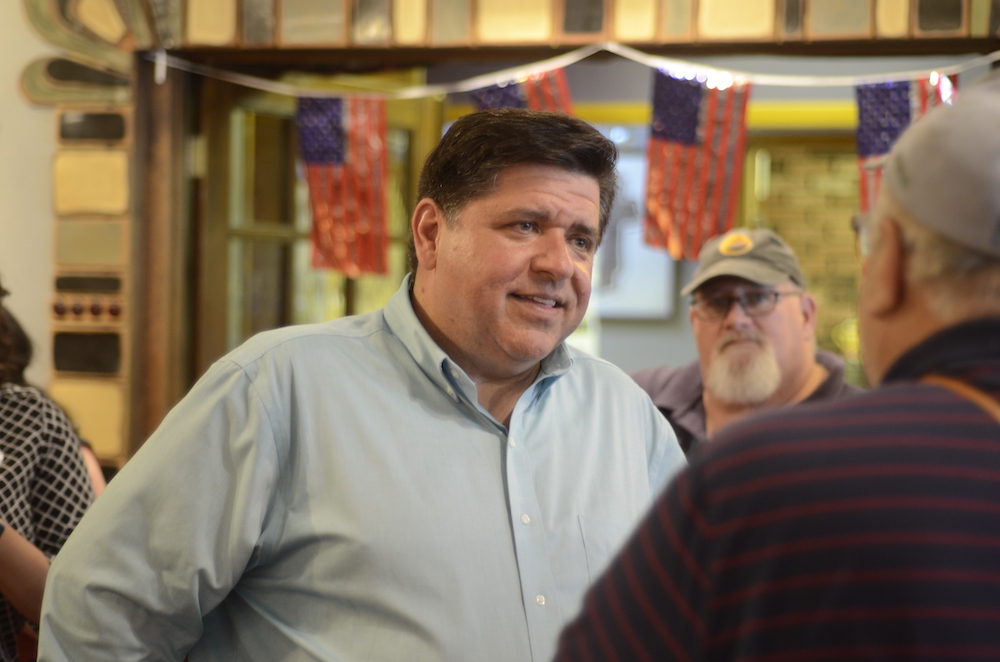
549 303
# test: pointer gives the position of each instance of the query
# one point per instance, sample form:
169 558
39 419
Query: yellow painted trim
814 115
761 115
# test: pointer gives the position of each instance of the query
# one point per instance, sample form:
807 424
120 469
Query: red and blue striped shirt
860 528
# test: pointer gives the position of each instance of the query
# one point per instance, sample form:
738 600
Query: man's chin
741 352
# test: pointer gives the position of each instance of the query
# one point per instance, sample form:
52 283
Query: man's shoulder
346 333
601 372
24 400
665 383
807 424
835 385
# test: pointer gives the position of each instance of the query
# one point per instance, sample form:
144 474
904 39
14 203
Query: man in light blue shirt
439 480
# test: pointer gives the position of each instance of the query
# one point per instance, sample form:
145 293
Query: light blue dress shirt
335 492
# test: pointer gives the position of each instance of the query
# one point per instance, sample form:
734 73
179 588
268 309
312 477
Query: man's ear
426 223
808 307
885 270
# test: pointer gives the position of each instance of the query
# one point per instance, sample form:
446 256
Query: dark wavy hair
15 346
479 146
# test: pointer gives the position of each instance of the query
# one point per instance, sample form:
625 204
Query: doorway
253 252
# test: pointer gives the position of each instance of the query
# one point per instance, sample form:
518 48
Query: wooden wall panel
513 21
409 22
892 18
736 20
839 19
677 20
312 22
635 20
210 23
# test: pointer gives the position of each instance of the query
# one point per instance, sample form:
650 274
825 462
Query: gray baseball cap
945 168
758 255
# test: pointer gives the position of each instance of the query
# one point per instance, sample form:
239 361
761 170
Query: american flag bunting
545 91
884 112
342 142
695 161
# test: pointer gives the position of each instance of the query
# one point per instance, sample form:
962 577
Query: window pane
939 15
792 20
583 16
167 19
273 144
678 21
258 22
370 22
105 127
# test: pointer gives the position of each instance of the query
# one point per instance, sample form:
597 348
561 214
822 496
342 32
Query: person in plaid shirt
44 491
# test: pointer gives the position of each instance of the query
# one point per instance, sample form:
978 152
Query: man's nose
553 256
736 315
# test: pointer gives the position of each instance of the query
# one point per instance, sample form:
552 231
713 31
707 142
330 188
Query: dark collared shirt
678 394
862 528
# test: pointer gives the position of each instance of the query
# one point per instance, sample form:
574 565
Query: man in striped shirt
866 527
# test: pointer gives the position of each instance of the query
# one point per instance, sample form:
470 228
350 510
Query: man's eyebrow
584 228
526 212
543 216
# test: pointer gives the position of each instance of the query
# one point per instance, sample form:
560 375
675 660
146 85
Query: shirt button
540 600
511 443
525 519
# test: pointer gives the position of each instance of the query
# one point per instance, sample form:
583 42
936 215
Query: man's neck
719 414
499 396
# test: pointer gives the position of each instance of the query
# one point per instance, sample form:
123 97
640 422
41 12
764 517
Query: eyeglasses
756 303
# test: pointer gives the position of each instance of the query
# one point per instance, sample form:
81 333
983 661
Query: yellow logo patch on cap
737 243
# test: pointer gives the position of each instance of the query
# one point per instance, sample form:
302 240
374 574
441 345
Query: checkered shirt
44 485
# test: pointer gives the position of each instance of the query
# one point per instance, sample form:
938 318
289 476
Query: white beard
744 376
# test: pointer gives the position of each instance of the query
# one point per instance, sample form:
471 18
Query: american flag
884 112
343 145
695 161
545 91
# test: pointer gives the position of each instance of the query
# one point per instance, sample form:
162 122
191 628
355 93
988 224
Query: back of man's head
942 185
945 169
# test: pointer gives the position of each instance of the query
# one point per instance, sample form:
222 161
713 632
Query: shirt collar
968 346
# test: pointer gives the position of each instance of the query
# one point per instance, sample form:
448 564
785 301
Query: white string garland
714 76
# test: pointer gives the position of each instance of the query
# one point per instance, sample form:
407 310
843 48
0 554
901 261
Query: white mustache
738 336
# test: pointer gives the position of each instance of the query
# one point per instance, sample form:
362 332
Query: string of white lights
715 76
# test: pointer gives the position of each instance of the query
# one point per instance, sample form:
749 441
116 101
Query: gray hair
961 283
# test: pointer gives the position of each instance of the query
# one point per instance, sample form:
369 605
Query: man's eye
583 243
754 299
717 303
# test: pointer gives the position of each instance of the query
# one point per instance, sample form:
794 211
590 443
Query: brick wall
811 197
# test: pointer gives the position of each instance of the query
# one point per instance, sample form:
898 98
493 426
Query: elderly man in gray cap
754 326
868 527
